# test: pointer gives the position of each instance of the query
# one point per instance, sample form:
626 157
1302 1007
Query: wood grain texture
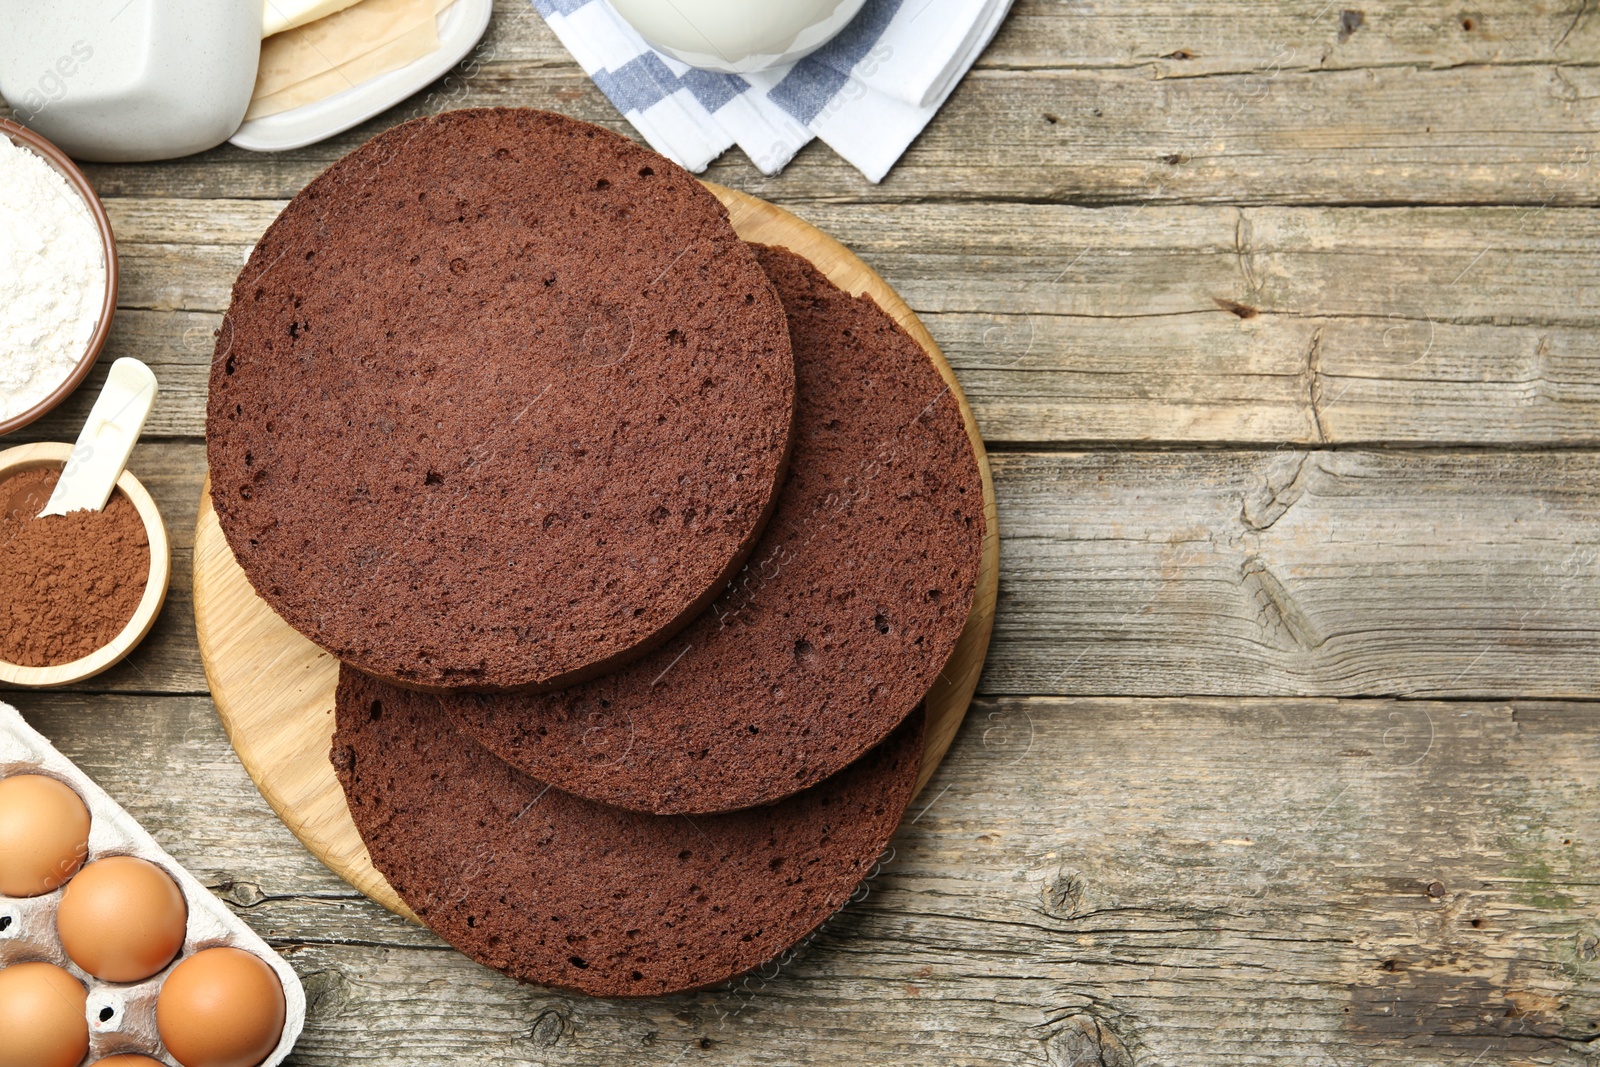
1458 574
274 689
1266 134
1327 573
1223 36
1248 882
1285 325
1176 325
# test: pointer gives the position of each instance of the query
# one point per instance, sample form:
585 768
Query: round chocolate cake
848 609
553 889
500 403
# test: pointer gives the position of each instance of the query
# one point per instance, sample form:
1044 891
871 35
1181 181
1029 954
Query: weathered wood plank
1436 326
1350 573
1281 378
1271 135
1210 38
1229 37
1456 265
176 345
1249 882
1290 572
1102 880
1198 378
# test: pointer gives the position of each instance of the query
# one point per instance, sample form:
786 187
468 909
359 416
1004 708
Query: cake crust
835 630
560 891
500 403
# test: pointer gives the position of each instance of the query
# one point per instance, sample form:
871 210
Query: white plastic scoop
106 441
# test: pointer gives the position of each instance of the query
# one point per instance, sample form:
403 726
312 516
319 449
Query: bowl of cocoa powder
78 591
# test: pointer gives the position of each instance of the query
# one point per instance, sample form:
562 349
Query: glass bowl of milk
737 36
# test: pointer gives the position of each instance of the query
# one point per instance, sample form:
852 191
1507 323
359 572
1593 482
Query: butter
347 48
280 15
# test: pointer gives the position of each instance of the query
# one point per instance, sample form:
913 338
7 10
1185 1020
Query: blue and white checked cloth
867 93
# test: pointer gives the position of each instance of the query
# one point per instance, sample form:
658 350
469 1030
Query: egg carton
122 1015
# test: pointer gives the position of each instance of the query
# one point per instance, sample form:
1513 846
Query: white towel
867 93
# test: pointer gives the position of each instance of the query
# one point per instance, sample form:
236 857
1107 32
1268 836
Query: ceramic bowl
55 454
738 36
27 139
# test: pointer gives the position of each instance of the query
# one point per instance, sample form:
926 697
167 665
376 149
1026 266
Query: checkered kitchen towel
867 93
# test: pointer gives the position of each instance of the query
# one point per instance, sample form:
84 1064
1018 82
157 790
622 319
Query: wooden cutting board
274 689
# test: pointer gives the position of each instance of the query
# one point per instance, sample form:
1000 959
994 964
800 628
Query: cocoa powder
68 583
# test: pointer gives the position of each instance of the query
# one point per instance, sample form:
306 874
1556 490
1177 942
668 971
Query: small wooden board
274 689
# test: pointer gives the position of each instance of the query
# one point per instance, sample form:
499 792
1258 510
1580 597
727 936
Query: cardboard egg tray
122 1015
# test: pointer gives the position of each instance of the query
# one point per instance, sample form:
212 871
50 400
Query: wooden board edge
214 562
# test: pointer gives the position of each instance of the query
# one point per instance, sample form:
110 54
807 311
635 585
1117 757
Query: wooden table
1281 322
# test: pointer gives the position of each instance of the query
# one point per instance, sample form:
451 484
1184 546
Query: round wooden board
274 689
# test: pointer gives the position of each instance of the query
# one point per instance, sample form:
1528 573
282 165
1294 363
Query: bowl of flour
58 276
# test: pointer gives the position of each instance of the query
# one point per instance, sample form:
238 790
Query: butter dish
130 80
460 26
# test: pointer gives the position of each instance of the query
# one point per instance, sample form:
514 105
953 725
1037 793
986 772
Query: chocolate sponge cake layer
553 889
848 609
500 402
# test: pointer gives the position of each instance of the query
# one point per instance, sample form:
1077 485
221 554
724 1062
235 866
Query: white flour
52 279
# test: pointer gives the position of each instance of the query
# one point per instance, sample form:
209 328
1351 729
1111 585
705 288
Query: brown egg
122 919
222 1007
44 834
41 1017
